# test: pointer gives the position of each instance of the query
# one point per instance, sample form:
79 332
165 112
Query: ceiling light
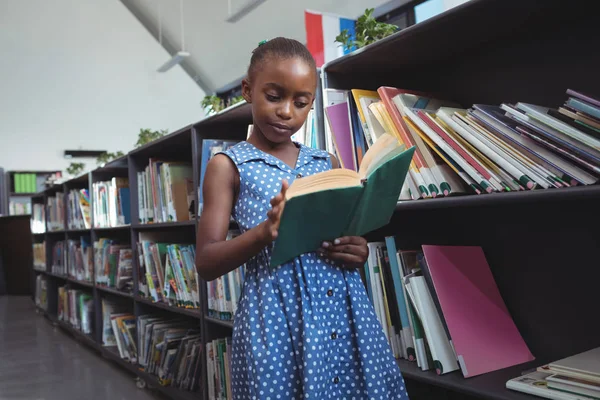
243 11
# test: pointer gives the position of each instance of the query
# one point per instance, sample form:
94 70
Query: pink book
483 333
339 122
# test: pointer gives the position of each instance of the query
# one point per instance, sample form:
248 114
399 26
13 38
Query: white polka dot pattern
306 329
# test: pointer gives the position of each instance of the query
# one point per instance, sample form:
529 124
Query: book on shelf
38 218
218 363
113 262
169 271
210 147
19 206
439 306
124 331
39 256
342 202
24 182
59 258
111 203
483 149
165 192
41 292
170 349
223 293
78 209
76 308
79 259
55 212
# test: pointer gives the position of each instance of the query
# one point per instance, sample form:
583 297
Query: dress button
299 176
330 293
336 380
334 335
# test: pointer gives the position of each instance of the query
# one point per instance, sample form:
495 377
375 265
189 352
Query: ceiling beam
168 46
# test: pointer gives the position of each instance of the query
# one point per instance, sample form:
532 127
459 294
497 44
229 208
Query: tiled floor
40 362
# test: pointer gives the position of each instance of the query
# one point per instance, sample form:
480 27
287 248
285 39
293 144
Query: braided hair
282 48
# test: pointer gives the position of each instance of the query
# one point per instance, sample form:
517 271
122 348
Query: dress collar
248 152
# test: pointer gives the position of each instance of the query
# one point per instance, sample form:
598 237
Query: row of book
55 212
111 203
58 265
78 209
170 349
21 206
427 320
484 149
165 192
167 272
25 183
38 218
218 369
76 307
79 259
41 292
224 292
210 148
119 330
39 256
114 264
573 378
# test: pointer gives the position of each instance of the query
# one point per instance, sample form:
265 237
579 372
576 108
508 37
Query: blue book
210 148
584 107
124 205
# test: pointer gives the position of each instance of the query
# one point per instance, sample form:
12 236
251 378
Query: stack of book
224 292
427 320
114 264
572 378
76 307
484 149
39 256
38 219
119 330
58 258
55 213
171 349
218 366
78 209
20 206
79 258
111 203
210 147
25 183
167 273
165 192
41 292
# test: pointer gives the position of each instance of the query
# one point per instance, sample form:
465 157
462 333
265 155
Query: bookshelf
541 245
490 52
18 187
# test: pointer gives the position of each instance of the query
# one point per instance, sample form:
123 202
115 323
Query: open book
342 202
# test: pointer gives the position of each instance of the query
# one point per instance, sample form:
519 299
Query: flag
321 30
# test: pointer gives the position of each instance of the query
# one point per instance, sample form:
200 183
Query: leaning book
342 202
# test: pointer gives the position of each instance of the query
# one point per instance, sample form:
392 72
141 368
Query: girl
305 329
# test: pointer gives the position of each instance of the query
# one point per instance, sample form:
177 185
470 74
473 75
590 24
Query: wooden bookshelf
541 245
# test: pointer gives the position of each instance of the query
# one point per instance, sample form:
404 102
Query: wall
82 75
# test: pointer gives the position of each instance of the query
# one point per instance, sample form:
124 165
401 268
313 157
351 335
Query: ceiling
220 51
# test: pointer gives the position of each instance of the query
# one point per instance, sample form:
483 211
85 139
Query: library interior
245 213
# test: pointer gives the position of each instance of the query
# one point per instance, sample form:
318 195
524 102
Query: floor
40 362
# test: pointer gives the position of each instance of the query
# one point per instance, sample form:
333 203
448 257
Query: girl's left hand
349 251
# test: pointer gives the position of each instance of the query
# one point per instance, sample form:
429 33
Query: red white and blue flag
321 30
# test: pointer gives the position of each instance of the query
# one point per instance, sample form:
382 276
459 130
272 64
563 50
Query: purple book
583 97
339 122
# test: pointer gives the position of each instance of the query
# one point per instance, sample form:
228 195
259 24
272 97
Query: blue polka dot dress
306 329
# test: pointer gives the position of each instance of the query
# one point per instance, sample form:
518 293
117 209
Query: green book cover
310 219
18 179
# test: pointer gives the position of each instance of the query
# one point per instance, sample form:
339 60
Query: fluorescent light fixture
176 59
244 10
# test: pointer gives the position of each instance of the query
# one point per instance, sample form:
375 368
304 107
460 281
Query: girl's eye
300 104
272 98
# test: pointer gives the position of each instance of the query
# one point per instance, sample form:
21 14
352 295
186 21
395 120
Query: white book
584 365
376 288
444 358
535 383
574 385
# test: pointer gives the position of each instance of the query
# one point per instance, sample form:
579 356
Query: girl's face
281 92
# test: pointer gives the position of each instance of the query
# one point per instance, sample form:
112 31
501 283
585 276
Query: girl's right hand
271 225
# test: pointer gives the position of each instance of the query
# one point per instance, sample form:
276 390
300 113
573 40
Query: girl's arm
216 256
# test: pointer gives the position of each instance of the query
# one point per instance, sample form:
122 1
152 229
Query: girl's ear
246 90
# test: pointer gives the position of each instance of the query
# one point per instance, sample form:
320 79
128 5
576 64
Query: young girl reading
304 329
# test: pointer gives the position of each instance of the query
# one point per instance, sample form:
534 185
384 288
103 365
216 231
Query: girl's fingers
344 258
360 251
355 240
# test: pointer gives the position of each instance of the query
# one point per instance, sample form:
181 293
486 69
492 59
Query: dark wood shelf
170 391
112 353
490 386
81 283
85 339
56 232
222 322
191 312
164 225
82 230
14 194
39 234
112 228
114 291
55 275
